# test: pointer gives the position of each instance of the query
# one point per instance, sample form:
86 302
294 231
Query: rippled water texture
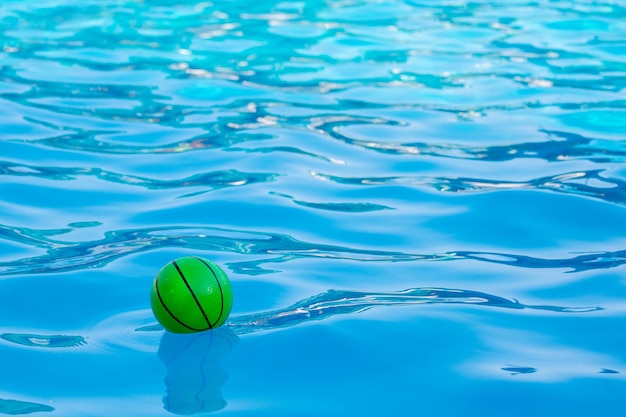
420 204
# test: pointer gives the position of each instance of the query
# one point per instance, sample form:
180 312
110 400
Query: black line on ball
156 286
193 294
219 286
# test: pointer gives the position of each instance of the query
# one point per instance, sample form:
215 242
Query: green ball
191 294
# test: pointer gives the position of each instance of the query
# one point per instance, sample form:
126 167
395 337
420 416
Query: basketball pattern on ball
191 294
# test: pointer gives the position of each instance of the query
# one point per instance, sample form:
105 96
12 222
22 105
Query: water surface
420 205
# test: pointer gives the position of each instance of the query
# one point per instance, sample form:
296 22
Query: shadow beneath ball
195 377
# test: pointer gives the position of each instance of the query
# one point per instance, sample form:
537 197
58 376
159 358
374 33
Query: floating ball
191 294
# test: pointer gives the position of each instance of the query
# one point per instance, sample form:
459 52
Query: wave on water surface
64 256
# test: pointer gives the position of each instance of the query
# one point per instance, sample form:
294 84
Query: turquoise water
420 205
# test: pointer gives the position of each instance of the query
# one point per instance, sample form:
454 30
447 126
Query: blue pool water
421 206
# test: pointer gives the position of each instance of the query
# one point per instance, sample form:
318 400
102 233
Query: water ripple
338 54
15 407
334 302
36 340
339 302
580 183
212 180
341 207
63 256
568 146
